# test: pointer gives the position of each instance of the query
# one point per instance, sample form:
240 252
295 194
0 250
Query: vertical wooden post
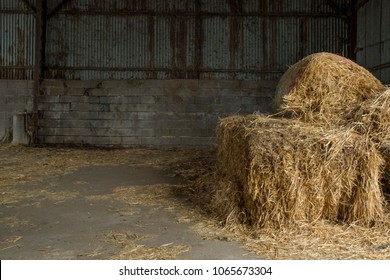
352 29
198 39
40 41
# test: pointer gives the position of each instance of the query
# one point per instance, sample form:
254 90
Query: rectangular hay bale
289 172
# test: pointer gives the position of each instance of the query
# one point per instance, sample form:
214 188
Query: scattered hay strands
319 240
10 242
15 194
37 162
287 172
131 249
15 222
171 198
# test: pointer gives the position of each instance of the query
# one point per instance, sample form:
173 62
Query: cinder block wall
141 113
146 113
15 97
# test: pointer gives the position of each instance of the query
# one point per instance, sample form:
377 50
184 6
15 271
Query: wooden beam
57 8
361 3
380 66
352 29
198 39
40 42
30 6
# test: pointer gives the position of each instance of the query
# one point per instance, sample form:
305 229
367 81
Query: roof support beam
361 3
352 28
57 8
30 6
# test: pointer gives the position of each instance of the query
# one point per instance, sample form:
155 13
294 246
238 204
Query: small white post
19 135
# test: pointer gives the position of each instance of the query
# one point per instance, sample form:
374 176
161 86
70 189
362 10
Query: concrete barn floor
89 213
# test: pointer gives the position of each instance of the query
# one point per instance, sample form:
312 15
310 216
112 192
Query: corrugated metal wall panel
227 39
98 42
130 5
287 34
216 6
51 4
303 6
333 36
251 6
162 50
385 51
17 50
385 21
15 5
191 42
252 53
172 5
215 47
373 40
272 6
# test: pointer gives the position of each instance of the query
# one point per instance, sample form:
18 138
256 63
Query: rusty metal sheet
98 41
15 5
130 5
17 46
135 39
215 47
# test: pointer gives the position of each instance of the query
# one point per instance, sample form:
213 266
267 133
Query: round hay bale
324 87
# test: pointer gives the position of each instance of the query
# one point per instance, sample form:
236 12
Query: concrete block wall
145 112
15 97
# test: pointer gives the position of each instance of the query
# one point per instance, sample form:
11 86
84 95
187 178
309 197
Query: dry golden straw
324 87
372 118
287 172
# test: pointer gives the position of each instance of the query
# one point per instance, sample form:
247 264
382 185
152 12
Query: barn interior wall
170 39
373 38
15 97
157 72
133 112
145 113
